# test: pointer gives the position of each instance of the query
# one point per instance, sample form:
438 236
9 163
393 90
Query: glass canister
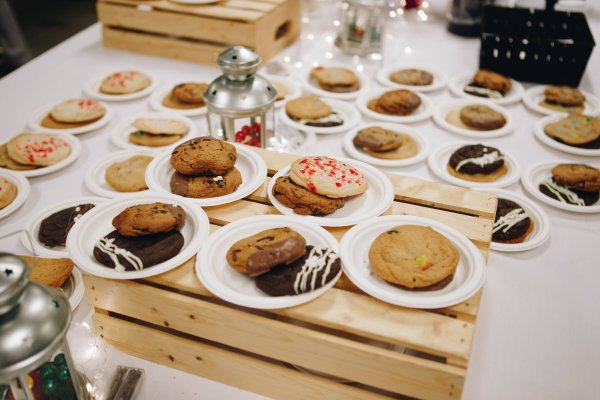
361 26
35 361
240 102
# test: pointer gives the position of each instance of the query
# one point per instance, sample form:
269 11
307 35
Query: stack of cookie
386 144
312 111
489 84
157 132
204 167
563 98
185 96
145 235
73 113
282 263
335 79
477 163
33 150
576 184
395 102
318 185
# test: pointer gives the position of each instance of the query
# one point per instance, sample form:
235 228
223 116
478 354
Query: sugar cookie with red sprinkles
8 192
328 177
125 82
40 149
77 110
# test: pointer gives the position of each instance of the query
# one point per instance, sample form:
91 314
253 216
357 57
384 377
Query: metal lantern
361 26
35 362
240 102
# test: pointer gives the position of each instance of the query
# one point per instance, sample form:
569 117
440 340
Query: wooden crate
385 350
199 32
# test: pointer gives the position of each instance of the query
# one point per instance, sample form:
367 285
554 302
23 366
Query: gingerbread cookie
335 79
411 77
577 176
315 269
149 219
575 130
477 163
77 111
201 187
413 256
264 250
512 223
328 177
8 192
125 82
396 102
481 117
39 149
128 175
204 156
54 229
302 200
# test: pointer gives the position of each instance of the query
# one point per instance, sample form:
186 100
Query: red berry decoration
249 135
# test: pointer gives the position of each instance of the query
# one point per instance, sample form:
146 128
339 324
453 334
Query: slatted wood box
359 347
199 33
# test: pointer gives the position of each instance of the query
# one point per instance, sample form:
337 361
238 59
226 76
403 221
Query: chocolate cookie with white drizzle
559 192
314 270
478 163
512 223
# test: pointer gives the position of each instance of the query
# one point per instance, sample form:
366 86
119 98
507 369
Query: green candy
60 359
62 373
49 387
47 371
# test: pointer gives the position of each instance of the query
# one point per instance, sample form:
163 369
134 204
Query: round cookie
328 177
200 187
413 256
335 79
480 117
307 107
411 77
564 96
567 195
577 176
124 82
376 138
575 130
128 175
125 253
243 250
396 102
477 163
7 162
8 192
190 93
492 80
407 149
315 269
40 149
55 228
512 223
77 110
151 140
302 200
149 219
204 156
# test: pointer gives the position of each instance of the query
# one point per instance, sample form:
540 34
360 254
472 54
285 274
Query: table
537 330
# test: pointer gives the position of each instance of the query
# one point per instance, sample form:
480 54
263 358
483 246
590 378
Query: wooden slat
190 26
249 5
360 362
222 365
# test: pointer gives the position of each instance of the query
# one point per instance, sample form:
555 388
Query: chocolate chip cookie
411 77
190 93
492 80
203 156
481 117
128 175
575 130
205 186
148 219
302 200
577 176
564 96
377 139
396 102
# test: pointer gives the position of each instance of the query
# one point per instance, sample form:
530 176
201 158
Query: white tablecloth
537 330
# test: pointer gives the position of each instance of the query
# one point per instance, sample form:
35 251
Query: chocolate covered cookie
477 163
148 219
315 269
124 253
302 200
55 228
204 156
512 223
200 187
559 192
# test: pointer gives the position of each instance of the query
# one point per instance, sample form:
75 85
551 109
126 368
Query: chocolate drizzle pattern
317 260
509 220
108 247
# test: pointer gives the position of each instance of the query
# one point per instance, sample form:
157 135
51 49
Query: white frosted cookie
39 149
328 177
157 126
77 110
8 192
124 82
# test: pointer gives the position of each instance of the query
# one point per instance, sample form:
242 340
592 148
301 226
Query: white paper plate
74 288
158 96
120 134
459 81
422 143
439 77
541 223
354 251
312 86
74 155
422 113
438 162
534 95
92 87
251 166
540 172
345 110
97 223
224 282
442 110
23 188
33 227
538 130
95 179
293 89
376 200
35 121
